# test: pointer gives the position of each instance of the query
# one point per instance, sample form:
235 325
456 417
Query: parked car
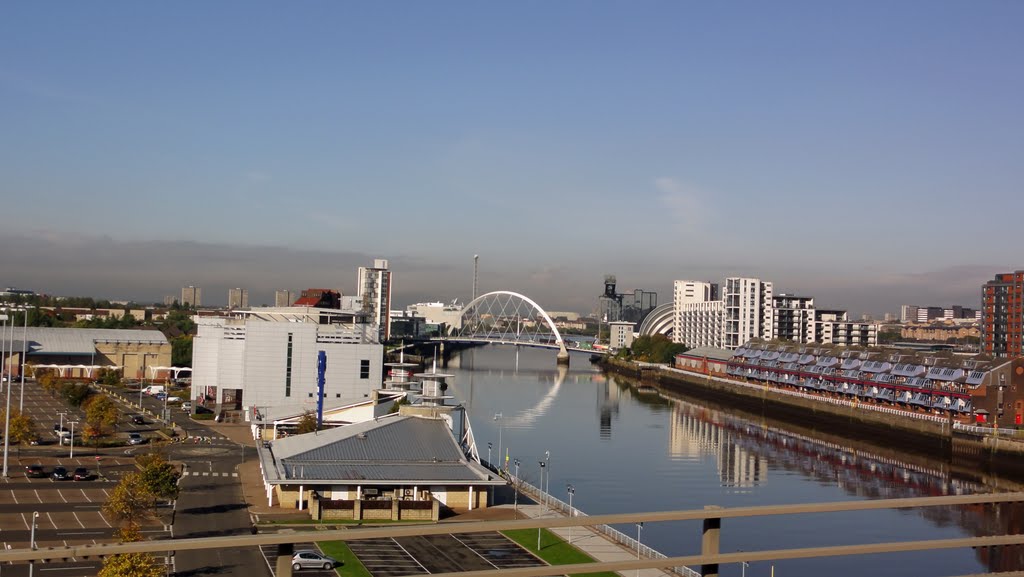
35 471
82 474
138 420
160 396
186 406
173 399
60 474
310 559
135 439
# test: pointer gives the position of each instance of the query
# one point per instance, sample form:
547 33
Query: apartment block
191 296
238 298
374 285
697 314
1002 302
792 318
283 298
748 303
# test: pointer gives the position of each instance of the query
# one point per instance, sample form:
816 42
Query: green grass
340 551
553 549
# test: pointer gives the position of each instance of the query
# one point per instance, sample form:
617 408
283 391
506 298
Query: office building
1002 302
283 298
374 286
620 335
238 298
267 357
191 297
919 314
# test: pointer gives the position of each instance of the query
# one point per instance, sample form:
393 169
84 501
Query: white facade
438 313
269 355
620 335
374 286
748 310
697 317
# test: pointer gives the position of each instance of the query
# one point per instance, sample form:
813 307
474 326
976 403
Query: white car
173 399
186 406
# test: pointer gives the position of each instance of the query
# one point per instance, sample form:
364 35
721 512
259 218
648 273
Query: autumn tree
131 564
130 501
158 476
101 415
21 427
306 424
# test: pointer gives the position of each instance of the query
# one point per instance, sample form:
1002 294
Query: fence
608 531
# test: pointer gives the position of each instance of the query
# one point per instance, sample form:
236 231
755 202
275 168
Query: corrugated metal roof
383 472
393 438
712 353
72 341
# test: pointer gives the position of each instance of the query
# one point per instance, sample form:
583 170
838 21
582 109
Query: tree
130 500
131 564
75 394
101 414
158 476
181 351
307 423
656 349
21 427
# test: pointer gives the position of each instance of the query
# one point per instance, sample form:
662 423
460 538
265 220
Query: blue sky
867 153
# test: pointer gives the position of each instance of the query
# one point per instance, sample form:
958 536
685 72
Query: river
629 451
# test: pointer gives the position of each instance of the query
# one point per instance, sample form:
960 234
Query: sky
865 153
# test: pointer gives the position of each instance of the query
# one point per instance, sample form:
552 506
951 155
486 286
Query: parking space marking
25 521
77 519
51 520
62 495
100 513
36 491
85 495
473 549
15 497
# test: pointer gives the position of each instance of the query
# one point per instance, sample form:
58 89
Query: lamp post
61 426
572 512
489 461
72 455
547 465
24 350
7 413
541 489
515 491
32 542
639 526
743 568
501 425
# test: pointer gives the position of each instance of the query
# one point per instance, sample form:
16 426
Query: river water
628 451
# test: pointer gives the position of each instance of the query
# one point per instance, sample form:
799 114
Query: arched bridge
509 318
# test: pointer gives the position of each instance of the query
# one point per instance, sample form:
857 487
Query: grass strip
350 563
553 549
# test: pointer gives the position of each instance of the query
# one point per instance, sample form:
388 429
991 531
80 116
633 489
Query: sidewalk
589 541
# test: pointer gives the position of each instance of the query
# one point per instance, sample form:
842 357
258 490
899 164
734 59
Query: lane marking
51 519
62 495
13 495
100 513
77 519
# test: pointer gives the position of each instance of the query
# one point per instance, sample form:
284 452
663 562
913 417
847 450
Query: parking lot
270 555
441 554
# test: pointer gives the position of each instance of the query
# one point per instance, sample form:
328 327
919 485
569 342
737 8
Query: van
154 389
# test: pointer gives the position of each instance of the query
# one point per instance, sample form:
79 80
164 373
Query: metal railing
613 534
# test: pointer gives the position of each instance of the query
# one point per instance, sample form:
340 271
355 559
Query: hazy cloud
683 203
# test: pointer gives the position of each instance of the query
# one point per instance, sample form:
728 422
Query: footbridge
509 318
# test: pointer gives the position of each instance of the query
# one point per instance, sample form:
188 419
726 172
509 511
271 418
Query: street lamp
501 425
24 351
572 512
7 413
61 427
541 489
639 526
743 568
72 455
32 542
515 490
490 463
547 465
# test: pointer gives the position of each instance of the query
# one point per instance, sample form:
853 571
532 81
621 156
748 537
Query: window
364 369
288 369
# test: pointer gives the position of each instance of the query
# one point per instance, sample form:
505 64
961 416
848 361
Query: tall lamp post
515 491
489 461
639 526
7 413
541 489
24 350
501 426
572 512
32 542
72 455
547 465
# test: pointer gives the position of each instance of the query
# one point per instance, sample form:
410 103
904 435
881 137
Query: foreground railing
709 559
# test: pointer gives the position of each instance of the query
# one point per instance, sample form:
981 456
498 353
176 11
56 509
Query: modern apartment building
1002 301
793 318
374 285
748 304
191 296
283 298
620 335
919 314
238 298
698 314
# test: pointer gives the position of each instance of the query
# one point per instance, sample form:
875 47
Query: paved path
589 541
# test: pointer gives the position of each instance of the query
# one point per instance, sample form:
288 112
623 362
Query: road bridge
510 318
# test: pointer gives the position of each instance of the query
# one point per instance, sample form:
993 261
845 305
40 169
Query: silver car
135 439
310 559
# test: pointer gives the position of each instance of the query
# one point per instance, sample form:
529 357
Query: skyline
865 155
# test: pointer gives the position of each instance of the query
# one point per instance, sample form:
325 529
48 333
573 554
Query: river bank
973 455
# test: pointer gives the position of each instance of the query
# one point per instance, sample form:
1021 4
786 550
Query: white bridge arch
508 317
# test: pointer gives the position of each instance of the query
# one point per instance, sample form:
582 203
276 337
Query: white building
267 357
792 318
283 298
374 286
620 335
698 314
748 311
438 313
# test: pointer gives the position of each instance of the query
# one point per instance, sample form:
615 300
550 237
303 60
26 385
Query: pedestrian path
590 542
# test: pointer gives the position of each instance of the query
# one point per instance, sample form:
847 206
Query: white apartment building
698 315
267 357
374 286
748 311
620 335
792 318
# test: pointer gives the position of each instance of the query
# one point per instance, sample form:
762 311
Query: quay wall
979 455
